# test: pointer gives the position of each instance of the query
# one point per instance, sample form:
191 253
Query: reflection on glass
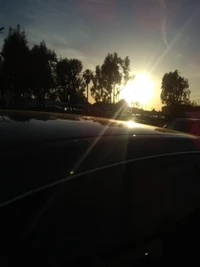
130 124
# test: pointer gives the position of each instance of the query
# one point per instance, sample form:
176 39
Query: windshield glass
89 84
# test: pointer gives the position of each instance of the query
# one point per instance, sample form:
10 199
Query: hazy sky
158 35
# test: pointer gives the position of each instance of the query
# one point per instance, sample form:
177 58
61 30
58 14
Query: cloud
162 2
97 1
164 22
102 11
178 56
163 30
59 25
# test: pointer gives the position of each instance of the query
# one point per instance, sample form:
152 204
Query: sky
159 36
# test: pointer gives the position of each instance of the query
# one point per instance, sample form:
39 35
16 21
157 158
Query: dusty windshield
76 184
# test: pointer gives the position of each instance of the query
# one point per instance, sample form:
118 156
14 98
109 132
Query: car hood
19 128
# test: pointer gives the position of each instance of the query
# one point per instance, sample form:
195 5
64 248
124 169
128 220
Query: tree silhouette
69 80
15 53
76 83
43 63
62 69
122 106
99 89
135 104
4 81
193 103
110 70
175 89
110 77
37 73
125 74
1 29
88 77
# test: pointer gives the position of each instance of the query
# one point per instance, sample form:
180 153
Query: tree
4 82
110 70
135 104
99 89
69 80
193 103
175 89
15 53
111 76
125 73
122 106
116 72
87 76
1 29
43 63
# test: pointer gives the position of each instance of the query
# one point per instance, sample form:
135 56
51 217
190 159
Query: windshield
68 70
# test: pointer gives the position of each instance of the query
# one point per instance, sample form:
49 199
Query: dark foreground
79 190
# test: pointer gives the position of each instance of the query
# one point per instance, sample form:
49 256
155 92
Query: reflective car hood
19 128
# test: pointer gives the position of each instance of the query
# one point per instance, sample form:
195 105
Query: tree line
175 90
37 72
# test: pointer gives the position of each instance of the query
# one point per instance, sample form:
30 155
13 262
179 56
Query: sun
139 90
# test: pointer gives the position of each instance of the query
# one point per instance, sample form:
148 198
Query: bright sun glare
139 90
